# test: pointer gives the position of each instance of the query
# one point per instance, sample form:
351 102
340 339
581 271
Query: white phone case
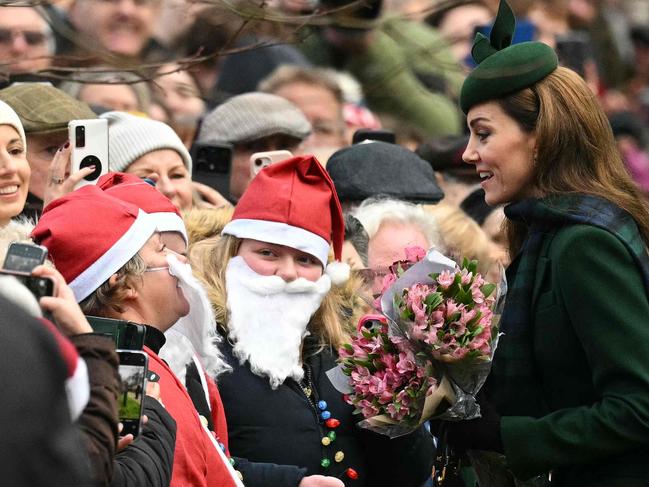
92 150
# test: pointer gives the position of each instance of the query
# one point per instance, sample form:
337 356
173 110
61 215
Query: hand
153 390
320 481
477 434
59 180
63 305
210 198
124 441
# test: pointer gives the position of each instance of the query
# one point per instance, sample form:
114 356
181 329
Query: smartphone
363 135
133 372
89 147
260 160
23 257
574 51
127 335
39 286
212 165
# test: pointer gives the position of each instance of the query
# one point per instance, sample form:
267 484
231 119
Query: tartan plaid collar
513 375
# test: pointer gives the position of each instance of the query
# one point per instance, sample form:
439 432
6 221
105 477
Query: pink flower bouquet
432 351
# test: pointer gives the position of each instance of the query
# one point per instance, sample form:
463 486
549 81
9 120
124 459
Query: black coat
281 427
39 445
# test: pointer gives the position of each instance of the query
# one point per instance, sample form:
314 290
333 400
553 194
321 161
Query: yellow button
326 441
339 456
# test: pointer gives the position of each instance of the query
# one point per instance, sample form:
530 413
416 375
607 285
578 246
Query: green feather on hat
504 68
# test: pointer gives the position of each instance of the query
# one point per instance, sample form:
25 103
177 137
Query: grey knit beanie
130 137
252 116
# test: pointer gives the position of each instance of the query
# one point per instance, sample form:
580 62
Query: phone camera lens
80 136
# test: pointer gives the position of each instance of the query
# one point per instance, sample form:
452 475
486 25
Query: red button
332 423
351 473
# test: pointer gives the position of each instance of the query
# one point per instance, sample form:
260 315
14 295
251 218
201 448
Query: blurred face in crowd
268 259
160 302
41 149
458 27
241 174
388 246
120 26
172 178
321 108
179 94
502 154
14 174
115 97
24 36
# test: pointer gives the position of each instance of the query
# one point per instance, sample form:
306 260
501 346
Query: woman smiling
568 390
14 168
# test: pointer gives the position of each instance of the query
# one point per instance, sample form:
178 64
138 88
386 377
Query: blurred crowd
190 91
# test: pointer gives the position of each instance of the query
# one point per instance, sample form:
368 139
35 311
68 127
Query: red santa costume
90 235
192 341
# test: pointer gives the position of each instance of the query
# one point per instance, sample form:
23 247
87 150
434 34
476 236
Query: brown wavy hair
209 260
575 148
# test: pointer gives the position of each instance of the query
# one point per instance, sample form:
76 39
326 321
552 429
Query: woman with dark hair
569 389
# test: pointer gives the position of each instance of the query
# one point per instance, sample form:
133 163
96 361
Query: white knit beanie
130 137
9 117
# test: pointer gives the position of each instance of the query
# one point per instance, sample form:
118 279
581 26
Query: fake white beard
268 318
195 333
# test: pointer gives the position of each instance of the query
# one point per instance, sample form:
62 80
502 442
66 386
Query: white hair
373 212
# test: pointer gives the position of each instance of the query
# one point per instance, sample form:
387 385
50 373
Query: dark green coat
590 321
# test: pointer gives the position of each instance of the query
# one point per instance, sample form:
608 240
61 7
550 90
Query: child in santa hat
269 278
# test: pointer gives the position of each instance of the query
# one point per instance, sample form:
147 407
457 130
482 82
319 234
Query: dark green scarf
513 374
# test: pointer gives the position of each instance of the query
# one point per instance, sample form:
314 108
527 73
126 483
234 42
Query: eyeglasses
377 274
32 37
154 269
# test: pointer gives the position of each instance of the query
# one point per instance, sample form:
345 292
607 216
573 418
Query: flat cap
503 68
43 108
378 168
252 116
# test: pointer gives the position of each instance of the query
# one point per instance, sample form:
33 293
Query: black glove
477 434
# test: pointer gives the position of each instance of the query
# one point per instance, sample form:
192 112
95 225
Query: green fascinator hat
504 68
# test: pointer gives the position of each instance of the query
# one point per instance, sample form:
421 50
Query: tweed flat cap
252 116
504 68
43 108
378 168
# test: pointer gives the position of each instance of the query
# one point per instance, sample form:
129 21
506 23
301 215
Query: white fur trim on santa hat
338 272
114 259
170 222
281 234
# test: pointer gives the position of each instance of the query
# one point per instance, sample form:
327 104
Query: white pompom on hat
294 203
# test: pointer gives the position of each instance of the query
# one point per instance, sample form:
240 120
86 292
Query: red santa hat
90 235
294 203
131 188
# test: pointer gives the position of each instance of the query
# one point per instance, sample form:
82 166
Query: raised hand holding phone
60 180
